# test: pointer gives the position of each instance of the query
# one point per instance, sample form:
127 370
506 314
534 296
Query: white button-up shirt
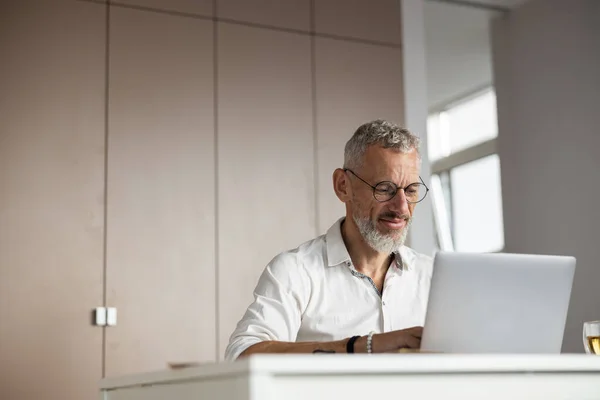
314 293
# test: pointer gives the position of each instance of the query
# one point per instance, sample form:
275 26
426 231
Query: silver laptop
497 303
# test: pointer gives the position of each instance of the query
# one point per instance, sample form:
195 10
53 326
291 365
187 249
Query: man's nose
400 203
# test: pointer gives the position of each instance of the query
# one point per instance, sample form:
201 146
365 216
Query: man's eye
385 189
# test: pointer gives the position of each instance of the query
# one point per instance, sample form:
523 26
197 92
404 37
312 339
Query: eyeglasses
385 191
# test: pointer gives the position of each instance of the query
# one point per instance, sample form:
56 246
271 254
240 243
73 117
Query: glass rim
423 193
374 188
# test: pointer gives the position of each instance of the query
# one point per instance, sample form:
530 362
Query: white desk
362 377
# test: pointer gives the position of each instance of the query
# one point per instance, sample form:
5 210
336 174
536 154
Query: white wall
547 63
421 235
458 49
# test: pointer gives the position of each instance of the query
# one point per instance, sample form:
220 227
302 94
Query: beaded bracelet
370 342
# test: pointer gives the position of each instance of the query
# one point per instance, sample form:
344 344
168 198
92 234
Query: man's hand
392 341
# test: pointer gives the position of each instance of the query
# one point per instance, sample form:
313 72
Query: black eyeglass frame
393 185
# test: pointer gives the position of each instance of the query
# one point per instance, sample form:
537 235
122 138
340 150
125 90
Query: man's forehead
391 163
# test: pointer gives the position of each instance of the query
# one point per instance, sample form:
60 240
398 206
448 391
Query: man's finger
416 331
413 342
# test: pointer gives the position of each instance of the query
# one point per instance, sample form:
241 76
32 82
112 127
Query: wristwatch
350 344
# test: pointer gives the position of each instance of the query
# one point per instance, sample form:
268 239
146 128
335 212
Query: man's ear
341 185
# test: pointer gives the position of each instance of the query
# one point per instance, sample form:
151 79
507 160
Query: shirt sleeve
280 298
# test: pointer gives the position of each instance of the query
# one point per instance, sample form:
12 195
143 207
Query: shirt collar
338 254
406 257
336 248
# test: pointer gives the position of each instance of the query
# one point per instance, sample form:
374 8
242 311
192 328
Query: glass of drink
591 337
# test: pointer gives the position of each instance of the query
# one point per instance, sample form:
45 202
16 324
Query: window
465 180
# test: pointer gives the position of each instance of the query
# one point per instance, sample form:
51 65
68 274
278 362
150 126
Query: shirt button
383 302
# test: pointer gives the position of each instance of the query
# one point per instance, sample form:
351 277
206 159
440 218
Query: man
356 288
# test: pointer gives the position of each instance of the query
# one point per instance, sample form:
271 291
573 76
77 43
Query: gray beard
379 242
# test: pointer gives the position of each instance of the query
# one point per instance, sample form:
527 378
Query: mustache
393 215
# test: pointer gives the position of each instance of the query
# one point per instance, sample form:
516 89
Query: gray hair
381 132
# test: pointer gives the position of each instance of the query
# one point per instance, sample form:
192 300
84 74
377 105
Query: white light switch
100 316
111 316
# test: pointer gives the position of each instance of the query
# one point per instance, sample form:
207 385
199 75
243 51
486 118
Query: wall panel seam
106 158
313 80
216 177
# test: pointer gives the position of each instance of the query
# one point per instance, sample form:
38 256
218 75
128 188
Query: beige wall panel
265 171
291 14
51 198
160 246
198 7
377 20
356 83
